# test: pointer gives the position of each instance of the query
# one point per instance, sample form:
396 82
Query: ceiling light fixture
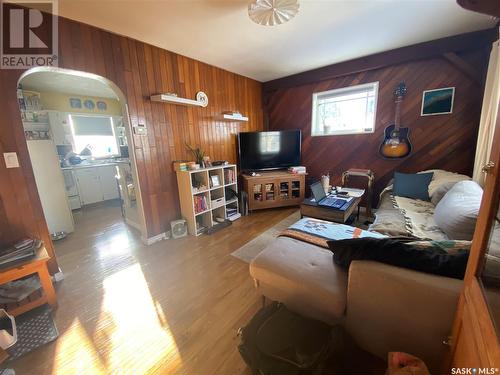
272 12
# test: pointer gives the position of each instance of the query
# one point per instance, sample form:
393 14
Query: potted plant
198 154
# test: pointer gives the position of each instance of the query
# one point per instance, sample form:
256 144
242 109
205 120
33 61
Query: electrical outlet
11 160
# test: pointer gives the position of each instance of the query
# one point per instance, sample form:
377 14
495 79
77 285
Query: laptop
330 201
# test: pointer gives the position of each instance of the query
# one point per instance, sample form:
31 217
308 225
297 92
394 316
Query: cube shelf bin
205 196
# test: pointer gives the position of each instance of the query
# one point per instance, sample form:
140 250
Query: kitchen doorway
80 144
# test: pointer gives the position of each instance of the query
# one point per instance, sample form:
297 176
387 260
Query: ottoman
303 277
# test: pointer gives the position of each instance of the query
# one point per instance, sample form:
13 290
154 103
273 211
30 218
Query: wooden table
38 265
274 189
311 209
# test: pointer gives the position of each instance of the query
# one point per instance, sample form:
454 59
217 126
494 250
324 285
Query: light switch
140 130
11 160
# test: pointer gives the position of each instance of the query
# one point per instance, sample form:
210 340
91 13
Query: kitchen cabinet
89 185
107 179
96 184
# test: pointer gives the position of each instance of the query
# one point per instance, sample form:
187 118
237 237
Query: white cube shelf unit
203 199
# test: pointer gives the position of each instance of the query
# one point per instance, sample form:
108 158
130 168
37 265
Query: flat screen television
269 150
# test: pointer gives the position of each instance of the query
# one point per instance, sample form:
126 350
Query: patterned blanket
318 232
400 216
419 216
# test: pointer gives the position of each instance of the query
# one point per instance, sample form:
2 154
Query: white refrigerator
51 187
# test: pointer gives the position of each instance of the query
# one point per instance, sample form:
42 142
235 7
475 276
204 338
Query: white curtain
488 115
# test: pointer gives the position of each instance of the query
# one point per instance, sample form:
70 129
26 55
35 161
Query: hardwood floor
173 307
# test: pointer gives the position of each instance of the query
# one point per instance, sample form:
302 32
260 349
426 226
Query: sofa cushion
303 277
456 213
415 186
390 307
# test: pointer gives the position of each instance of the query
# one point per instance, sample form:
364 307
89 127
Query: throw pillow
400 254
414 186
440 192
441 177
456 213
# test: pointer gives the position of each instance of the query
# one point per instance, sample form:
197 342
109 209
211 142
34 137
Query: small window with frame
95 132
348 110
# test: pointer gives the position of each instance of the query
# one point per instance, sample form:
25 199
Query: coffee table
310 208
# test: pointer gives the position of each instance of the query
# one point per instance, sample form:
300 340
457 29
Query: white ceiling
324 32
66 84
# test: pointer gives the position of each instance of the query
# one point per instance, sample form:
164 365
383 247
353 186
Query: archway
78 113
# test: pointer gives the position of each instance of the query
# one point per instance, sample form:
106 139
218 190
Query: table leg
371 178
47 286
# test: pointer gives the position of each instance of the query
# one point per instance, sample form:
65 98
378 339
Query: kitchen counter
93 181
95 164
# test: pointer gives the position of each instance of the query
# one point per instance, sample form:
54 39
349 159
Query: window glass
96 133
349 110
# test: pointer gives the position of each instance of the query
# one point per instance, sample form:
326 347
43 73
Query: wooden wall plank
139 70
443 141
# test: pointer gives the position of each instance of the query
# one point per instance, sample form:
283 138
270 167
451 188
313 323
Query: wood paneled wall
139 70
443 141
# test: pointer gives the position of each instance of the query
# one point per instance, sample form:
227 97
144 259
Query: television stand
274 189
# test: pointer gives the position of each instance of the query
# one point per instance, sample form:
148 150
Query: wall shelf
200 101
35 126
234 117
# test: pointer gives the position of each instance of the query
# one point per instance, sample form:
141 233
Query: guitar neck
397 114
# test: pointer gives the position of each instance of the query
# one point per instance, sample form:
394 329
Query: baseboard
157 238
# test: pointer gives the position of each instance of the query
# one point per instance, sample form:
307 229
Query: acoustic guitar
396 143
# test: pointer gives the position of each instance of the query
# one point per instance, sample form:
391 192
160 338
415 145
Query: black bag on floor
278 341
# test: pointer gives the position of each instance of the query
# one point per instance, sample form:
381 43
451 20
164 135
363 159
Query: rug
34 329
251 249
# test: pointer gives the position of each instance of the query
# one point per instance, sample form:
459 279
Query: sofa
384 308
402 216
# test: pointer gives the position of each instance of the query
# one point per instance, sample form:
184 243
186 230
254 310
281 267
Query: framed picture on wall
89 104
75 103
101 106
438 101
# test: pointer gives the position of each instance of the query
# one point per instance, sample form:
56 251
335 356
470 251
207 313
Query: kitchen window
349 110
96 133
